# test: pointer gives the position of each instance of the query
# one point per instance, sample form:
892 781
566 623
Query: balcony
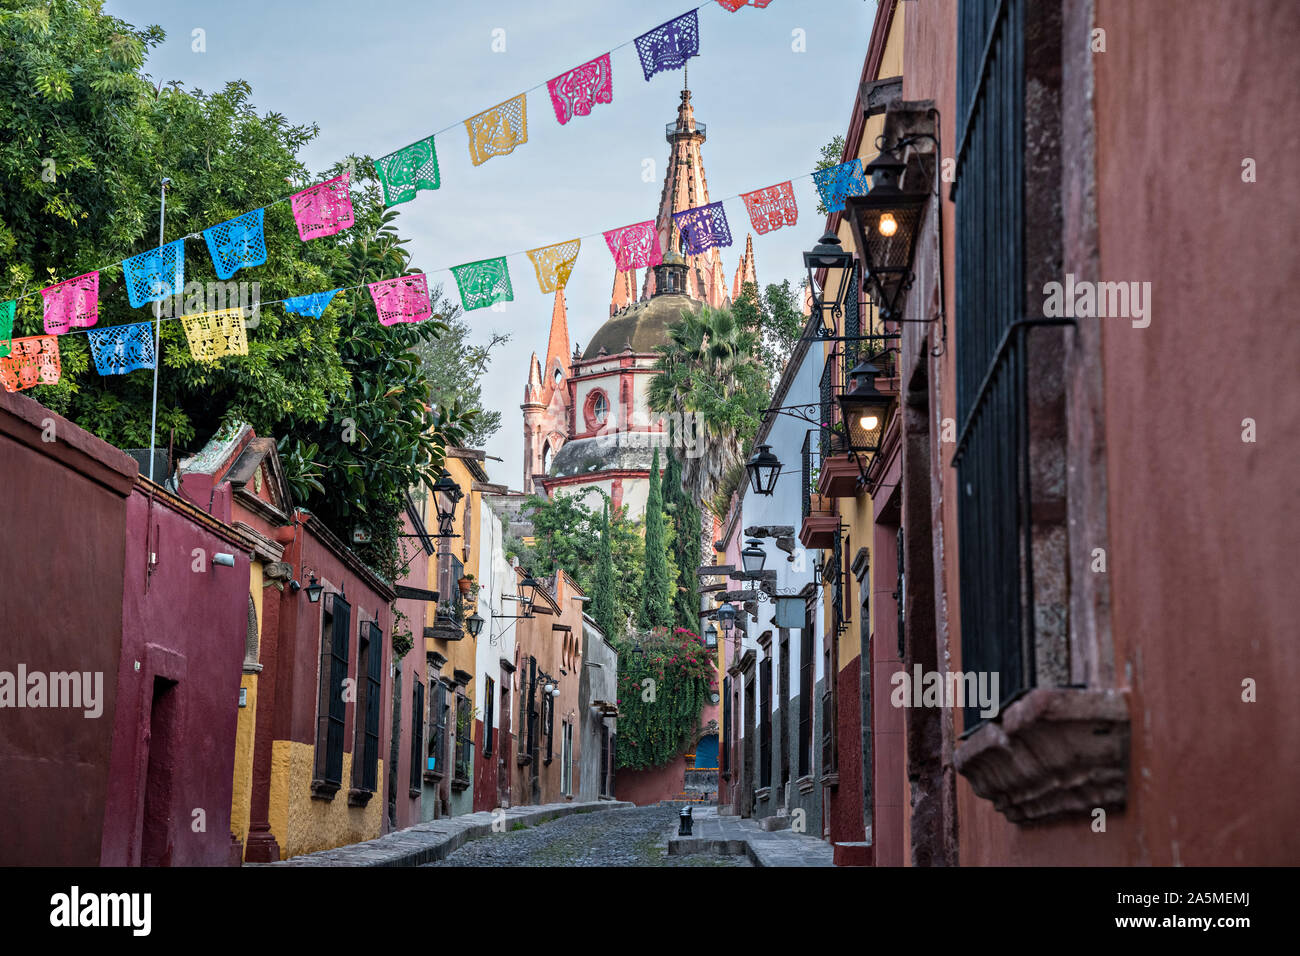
819 518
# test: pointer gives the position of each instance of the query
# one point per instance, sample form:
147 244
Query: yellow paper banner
554 264
499 130
214 334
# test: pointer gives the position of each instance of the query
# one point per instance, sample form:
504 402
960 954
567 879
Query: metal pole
157 334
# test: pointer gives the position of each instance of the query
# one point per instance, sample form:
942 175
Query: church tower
546 398
587 423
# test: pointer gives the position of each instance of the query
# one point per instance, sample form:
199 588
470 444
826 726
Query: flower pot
465 584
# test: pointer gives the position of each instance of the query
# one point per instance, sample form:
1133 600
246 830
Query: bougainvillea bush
664 680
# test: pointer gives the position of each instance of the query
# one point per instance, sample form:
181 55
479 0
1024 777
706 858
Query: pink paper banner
323 209
72 304
405 299
635 246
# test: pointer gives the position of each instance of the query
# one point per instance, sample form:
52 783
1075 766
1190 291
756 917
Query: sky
377 76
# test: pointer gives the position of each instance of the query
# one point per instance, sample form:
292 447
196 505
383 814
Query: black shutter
373 678
334 709
726 724
417 736
487 718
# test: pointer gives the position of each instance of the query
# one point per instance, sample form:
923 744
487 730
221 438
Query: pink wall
61 599
175 752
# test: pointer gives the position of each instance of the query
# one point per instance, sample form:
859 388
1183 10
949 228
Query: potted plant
469 588
403 639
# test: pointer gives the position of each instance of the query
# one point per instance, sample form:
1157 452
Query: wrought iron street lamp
864 409
446 495
474 624
886 221
727 616
753 557
711 635
834 290
764 468
314 589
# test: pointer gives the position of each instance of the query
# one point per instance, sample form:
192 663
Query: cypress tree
602 602
656 602
686 521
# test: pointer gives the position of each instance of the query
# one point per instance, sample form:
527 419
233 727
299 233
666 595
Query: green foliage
658 720
85 139
454 370
776 318
656 597
685 517
831 155
709 366
567 535
602 593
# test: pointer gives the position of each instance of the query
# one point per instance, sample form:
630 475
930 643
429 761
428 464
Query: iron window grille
805 696
765 726
332 708
464 742
992 451
437 729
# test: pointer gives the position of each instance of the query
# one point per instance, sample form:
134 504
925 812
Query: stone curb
434 840
763 848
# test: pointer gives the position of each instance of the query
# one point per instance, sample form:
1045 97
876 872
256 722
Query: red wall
61 555
187 626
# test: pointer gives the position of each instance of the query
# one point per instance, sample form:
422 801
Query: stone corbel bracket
1054 753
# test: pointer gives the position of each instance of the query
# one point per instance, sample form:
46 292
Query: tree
656 600
664 679
832 154
567 534
85 139
777 319
686 525
454 370
602 592
709 366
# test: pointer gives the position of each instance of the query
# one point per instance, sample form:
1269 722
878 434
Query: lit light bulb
869 422
888 225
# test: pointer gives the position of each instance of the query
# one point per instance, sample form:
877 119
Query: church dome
644 325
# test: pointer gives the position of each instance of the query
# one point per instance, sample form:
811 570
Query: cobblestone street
628 837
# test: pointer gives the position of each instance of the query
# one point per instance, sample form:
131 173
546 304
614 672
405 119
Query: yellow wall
303 825
241 797
459 654
857 514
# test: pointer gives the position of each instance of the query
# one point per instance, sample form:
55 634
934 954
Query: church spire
557 347
686 187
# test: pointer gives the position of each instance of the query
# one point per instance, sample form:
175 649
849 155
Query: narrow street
629 837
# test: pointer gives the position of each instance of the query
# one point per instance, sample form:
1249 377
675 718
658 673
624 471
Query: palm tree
710 366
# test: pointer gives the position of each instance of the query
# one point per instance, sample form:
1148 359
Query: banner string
363 285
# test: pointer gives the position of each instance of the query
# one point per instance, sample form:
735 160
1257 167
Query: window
830 762
437 751
600 407
548 711
782 698
464 732
566 759
487 717
606 761
765 722
370 660
417 736
805 694
726 725
990 343
546 457
332 708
